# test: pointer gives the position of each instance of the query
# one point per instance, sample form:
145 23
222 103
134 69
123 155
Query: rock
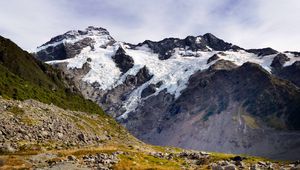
213 58
81 137
215 166
60 135
7 148
44 133
254 167
71 158
239 163
262 51
1 162
237 158
148 91
123 61
204 153
223 163
279 60
230 167
261 163
21 130
296 167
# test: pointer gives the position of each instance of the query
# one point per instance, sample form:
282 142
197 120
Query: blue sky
247 23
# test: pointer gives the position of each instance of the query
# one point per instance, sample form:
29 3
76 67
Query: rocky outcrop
112 99
279 61
71 44
263 51
213 58
291 73
207 42
222 65
218 44
123 61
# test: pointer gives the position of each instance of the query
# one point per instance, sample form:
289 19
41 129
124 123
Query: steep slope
23 77
221 110
144 86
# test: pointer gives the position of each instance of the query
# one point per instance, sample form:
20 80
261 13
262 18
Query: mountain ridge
140 85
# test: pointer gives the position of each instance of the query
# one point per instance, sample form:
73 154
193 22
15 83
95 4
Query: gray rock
261 163
215 166
7 147
81 137
71 158
254 167
230 167
60 135
44 133
296 167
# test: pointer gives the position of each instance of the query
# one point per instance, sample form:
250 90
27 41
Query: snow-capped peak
73 36
170 62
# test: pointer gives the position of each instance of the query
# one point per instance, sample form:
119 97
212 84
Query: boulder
81 137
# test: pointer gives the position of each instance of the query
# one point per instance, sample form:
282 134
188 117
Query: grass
143 161
29 121
16 110
14 162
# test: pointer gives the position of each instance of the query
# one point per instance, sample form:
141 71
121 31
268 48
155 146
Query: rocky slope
34 135
199 92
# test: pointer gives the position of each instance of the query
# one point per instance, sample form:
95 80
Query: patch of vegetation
143 161
16 110
29 121
23 77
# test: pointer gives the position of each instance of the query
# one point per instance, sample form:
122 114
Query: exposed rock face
218 44
263 51
213 58
290 73
70 44
279 61
112 99
224 99
198 92
206 42
223 65
123 61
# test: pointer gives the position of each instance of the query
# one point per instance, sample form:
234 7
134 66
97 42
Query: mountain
37 134
198 93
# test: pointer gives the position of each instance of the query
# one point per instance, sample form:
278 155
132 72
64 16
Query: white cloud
250 24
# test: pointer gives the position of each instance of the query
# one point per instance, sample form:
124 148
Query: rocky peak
279 61
218 44
123 61
262 51
223 65
74 34
71 43
166 47
297 54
